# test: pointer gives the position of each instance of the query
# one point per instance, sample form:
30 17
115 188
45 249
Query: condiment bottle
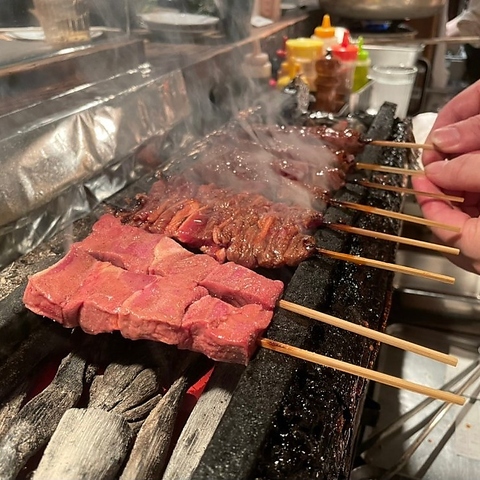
257 66
279 58
290 70
326 33
305 52
347 53
362 68
327 83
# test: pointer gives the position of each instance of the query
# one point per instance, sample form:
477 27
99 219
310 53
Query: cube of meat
96 304
156 312
49 291
196 268
166 255
223 332
240 286
124 246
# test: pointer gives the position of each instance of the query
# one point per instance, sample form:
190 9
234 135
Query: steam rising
283 164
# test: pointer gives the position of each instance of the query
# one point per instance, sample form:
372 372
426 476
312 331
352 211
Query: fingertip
430 156
423 184
434 168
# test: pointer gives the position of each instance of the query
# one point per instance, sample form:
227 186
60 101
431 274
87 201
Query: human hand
454 168
451 28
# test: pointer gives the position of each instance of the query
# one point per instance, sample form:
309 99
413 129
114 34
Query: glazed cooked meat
243 228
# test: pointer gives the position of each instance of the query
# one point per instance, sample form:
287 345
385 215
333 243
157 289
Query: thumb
460 137
462 173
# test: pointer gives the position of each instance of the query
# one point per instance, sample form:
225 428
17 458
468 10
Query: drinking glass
64 22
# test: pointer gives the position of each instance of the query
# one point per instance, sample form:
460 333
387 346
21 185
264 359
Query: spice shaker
327 83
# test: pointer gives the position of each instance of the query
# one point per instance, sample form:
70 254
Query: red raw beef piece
48 291
97 302
124 246
156 312
166 254
240 286
195 268
223 332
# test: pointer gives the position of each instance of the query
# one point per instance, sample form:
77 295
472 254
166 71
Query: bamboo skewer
360 371
410 191
392 267
387 169
429 41
389 143
395 238
397 215
369 333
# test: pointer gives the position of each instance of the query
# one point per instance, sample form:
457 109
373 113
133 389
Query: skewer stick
394 238
370 333
392 267
397 215
411 191
389 143
387 169
360 371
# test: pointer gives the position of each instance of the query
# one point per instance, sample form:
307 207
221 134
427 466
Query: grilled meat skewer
247 229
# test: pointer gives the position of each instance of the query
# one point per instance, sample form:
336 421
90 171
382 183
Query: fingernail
446 138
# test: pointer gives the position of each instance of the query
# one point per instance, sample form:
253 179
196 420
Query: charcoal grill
284 419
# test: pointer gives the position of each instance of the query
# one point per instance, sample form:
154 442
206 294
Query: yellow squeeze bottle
326 33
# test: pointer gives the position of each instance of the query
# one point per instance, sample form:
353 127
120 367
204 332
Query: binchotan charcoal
149 453
203 421
135 416
166 359
143 388
38 419
16 322
87 444
11 406
46 340
122 387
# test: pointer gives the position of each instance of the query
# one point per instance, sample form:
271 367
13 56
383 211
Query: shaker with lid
327 84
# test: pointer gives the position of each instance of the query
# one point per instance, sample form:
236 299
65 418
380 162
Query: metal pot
382 9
